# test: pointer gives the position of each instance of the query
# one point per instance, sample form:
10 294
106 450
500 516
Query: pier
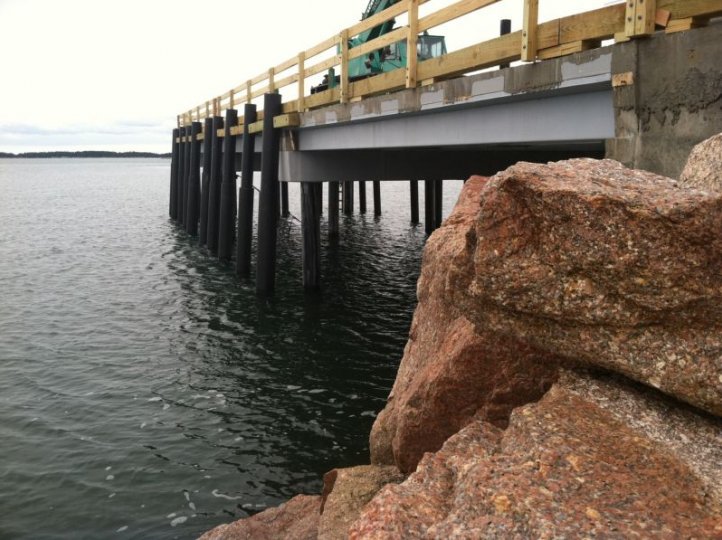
638 82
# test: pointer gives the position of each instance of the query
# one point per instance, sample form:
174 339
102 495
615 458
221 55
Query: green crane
387 58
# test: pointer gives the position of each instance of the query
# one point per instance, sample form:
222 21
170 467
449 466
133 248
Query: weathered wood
343 43
245 195
311 231
567 48
287 120
681 25
268 200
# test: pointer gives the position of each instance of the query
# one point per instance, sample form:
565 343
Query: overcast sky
94 74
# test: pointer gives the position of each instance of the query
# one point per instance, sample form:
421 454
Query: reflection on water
144 392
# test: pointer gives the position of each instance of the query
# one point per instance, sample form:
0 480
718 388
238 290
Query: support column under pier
311 230
214 191
333 192
284 200
377 197
347 196
179 188
205 182
194 181
186 172
172 205
438 200
414 196
227 217
245 196
268 200
362 197
429 206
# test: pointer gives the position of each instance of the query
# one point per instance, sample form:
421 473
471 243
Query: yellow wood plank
646 17
287 120
332 95
301 80
454 11
385 15
490 53
321 47
529 32
282 83
681 9
662 18
567 48
623 79
378 43
681 25
384 82
323 66
412 40
343 58
256 127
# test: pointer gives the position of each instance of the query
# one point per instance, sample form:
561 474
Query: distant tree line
85 154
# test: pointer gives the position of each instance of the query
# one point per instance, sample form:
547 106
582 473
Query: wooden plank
271 81
490 53
320 99
662 18
283 66
255 127
412 40
622 79
287 120
454 11
301 80
321 47
381 17
600 23
249 91
529 32
384 82
343 58
567 48
281 83
681 9
681 25
378 43
646 16
323 66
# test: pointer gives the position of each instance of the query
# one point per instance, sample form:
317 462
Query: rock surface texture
295 520
704 166
450 371
596 457
602 265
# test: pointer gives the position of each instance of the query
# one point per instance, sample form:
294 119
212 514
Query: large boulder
295 520
603 265
595 457
704 166
450 371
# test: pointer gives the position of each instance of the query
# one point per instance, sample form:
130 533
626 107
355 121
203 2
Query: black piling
414 199
194 181
438 199
205 181
245 195
311 230
429 206
504 29
227 218
347 196
377 197
268 200
362 197
179 177
186 173
333 189
214 190
173 202
284 200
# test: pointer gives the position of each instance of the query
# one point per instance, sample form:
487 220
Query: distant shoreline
84 154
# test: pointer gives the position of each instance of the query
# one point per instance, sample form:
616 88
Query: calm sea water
144 391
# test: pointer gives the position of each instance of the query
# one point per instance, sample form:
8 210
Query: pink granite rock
596 457
450 371
704 166
604 265
295 520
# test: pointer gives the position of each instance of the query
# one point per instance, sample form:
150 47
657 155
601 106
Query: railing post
529 32
411 43
301 103
271 81
231 101
343 38
249 90
639 18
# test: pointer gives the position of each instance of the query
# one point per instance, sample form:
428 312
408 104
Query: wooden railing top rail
630 20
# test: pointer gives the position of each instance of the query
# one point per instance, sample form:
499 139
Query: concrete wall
674 102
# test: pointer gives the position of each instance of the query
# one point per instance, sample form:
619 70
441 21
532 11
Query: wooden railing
621 22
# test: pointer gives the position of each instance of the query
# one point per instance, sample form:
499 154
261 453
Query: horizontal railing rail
535 41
